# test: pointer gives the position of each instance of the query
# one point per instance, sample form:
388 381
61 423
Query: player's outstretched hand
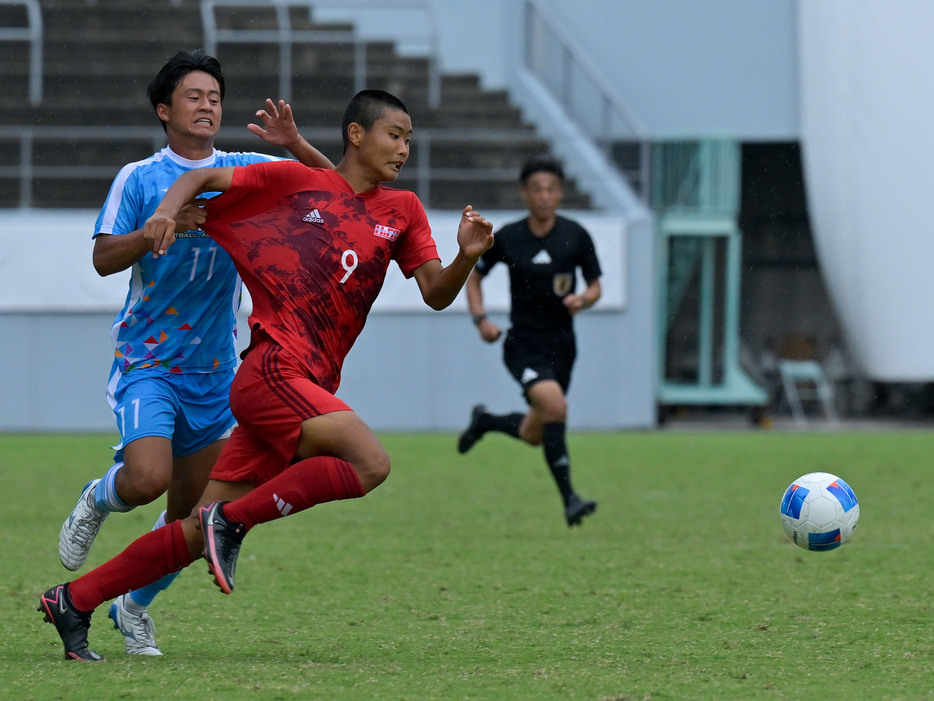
159 232
474 233
278 124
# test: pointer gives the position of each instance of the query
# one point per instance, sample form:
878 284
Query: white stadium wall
685 68
412 369
866 115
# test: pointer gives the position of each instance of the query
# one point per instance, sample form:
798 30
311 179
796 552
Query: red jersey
314 254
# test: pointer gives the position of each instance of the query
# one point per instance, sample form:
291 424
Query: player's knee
373 471
139 485
555 411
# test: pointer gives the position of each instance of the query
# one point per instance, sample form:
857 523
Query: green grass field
457 579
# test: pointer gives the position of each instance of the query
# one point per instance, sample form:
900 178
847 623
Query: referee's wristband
478 319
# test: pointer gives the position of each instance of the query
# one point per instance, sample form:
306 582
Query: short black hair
183 62
541 163
366 107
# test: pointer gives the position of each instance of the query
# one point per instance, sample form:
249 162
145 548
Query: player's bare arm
160 228
279 129
489 331
585 300
439 284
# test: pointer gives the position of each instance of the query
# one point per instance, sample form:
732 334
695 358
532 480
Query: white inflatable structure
867 132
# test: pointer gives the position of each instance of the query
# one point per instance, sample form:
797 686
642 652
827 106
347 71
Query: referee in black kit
542 252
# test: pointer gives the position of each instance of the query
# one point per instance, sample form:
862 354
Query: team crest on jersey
562 283
386 232
313 217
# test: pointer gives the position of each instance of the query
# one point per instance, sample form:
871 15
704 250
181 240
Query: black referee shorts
531 360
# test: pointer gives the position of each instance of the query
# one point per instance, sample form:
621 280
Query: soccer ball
819 511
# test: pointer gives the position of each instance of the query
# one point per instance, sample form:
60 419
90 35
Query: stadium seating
93 116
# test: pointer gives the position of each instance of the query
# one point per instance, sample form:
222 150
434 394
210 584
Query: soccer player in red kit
312 247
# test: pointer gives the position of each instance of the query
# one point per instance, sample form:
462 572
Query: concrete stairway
99 57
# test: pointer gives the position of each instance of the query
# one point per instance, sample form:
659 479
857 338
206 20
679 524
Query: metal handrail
286 37
430 37
26 171
32 34
546 40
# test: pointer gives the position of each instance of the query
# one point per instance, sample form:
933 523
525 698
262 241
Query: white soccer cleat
137 628
80 529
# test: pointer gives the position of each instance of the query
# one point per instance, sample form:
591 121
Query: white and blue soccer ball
819 511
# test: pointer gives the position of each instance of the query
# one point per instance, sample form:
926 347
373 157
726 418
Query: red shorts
270 397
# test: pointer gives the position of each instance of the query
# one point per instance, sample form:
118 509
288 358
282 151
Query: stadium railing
32 33
286 37
556 60
24 168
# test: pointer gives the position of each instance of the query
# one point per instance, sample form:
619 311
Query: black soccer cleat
473 433
577 509
72 625
222 539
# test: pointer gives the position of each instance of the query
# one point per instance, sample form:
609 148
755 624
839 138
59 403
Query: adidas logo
542 258
281 504
314 216
528 375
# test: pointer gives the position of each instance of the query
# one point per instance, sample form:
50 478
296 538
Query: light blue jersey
180 311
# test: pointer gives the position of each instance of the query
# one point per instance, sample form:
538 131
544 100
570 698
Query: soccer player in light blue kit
175 338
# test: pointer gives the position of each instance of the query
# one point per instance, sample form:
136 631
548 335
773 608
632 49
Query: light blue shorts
192 410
